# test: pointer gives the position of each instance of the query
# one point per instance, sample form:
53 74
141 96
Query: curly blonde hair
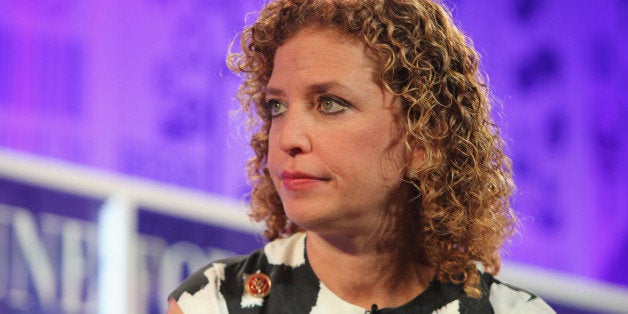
464 184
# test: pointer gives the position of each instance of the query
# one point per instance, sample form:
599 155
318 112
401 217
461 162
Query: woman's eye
275 107
331 105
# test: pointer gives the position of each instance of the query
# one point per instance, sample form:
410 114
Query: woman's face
333 154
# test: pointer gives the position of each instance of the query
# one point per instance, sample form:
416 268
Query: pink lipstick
295 181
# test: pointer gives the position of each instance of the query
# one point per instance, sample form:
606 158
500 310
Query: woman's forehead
316 45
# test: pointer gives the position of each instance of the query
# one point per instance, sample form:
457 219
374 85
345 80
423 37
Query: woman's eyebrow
275 92
317 88
326 86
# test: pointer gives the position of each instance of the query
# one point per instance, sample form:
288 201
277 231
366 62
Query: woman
378 171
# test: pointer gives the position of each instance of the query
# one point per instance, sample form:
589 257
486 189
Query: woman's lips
295 180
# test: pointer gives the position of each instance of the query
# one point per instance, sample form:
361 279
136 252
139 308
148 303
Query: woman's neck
363 271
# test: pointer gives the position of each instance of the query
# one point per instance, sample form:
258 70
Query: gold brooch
257 284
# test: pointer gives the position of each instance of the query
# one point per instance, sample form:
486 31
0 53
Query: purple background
140 87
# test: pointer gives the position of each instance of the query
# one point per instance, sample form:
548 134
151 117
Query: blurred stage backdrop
130 101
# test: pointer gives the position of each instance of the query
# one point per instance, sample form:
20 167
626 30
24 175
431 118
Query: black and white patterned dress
219 288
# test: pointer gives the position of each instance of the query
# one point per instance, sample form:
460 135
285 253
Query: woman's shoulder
213 272
221 282
444 297
507 298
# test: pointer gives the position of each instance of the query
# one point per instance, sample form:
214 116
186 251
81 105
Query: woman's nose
293 132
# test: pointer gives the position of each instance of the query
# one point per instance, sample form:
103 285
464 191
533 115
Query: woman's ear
416 161
417 158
